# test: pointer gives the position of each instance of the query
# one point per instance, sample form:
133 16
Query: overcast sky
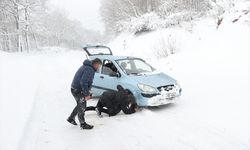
86 11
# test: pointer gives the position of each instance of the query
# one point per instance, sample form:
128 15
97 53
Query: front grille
148 95
166 87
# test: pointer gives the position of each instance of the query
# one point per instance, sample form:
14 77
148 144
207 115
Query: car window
125 64
108 68
97 50
100 69
134 66
142 66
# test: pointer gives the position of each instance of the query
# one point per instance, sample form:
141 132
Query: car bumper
158 100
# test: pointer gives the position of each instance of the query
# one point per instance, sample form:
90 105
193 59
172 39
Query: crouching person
80 88
112 102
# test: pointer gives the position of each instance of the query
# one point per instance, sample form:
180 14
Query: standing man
80 89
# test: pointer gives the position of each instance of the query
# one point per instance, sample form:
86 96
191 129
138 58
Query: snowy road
212 114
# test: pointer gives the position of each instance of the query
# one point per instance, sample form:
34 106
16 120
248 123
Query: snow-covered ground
213 67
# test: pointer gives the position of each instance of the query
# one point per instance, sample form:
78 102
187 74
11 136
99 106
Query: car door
107 78
93 52
96 84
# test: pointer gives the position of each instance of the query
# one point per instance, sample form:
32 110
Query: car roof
111 57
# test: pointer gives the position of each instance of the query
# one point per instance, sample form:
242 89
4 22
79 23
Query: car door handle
101 77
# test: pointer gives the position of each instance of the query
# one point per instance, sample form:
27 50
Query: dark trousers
111 110
80 108
100 106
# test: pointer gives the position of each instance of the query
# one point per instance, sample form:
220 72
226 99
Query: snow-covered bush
161 48
152 21
144 23
138 16
166 45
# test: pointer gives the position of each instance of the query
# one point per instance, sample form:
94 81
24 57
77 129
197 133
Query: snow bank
150 45
21 78
213 67
240 12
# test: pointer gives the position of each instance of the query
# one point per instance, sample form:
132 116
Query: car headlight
146 88
178 87
177 84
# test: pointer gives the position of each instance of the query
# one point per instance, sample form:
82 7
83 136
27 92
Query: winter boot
86 126
99 112
72 121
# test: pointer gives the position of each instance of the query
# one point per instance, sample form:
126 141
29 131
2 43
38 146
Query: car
149 86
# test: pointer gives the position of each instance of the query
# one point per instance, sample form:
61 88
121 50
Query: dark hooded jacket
115 101
83 78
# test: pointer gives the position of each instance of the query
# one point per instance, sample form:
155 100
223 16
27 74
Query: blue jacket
83 78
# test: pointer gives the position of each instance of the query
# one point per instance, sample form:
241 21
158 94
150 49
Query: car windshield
134 66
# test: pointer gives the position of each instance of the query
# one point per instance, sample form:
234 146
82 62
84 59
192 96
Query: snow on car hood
154 79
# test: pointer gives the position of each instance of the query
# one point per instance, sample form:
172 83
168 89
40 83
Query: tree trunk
7 41
27 27
17 19
35 40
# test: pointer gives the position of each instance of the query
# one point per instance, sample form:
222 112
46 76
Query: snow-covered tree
122 14
28 24
18 14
